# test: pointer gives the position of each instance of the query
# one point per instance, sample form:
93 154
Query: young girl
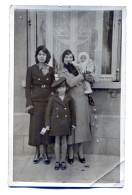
60 118
38 89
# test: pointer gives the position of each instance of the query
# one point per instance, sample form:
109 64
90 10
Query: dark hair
67 52
45 50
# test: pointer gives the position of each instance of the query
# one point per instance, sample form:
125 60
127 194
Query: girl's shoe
82 160
57 165
36 159
46 159
63 165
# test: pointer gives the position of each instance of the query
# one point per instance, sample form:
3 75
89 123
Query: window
96 32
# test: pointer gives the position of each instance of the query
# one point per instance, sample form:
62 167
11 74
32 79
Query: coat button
47 79
43 86
65 108
57 116
38 79
56 108
65 115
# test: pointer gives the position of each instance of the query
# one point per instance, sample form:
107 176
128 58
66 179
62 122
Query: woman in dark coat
38 90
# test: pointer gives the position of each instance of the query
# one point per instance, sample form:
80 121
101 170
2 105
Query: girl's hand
47 128
73 127
28 108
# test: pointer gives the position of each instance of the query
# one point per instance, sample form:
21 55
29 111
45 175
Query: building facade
98 32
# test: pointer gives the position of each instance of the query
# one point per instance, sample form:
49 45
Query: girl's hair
45 50
67 52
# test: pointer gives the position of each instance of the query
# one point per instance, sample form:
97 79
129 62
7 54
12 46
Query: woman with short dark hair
38 90
75 81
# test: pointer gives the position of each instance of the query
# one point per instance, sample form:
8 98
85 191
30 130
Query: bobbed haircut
45 50
67 52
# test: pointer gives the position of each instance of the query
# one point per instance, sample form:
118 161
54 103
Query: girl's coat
60 115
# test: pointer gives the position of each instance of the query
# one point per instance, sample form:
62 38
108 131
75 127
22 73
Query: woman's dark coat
60 115
38 91
38 85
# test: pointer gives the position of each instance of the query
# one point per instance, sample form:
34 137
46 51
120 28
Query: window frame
116 43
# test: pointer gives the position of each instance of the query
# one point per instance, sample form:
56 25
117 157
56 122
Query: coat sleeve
49 112
71 81
73 114
28 87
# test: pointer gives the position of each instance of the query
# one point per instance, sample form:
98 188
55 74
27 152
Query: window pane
107 42
87 35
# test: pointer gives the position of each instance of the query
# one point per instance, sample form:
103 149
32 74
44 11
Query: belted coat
38 91
60 115
38 85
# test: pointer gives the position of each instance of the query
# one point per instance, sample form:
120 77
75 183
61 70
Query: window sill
106 85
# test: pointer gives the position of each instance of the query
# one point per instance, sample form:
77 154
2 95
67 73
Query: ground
97 169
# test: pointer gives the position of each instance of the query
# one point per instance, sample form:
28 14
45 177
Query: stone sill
106 85
97 85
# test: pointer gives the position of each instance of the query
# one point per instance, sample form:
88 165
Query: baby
86 66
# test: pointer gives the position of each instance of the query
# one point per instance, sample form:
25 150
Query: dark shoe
70 160
36 159
57 165
46 159
63 165
82 160
90 99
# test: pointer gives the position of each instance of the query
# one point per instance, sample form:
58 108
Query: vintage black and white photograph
67 102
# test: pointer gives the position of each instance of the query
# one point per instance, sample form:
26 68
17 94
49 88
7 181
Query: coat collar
66 99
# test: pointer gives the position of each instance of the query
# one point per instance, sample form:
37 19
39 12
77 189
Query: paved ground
97 169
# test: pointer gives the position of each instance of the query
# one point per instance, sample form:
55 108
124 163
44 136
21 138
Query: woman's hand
89 78
73 127
28 108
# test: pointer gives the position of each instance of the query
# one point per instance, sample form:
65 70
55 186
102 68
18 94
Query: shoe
90 99
63 165
36 159
82 160
46 160
70 160
57 165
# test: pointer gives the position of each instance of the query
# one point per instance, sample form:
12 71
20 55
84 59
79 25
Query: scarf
71 69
